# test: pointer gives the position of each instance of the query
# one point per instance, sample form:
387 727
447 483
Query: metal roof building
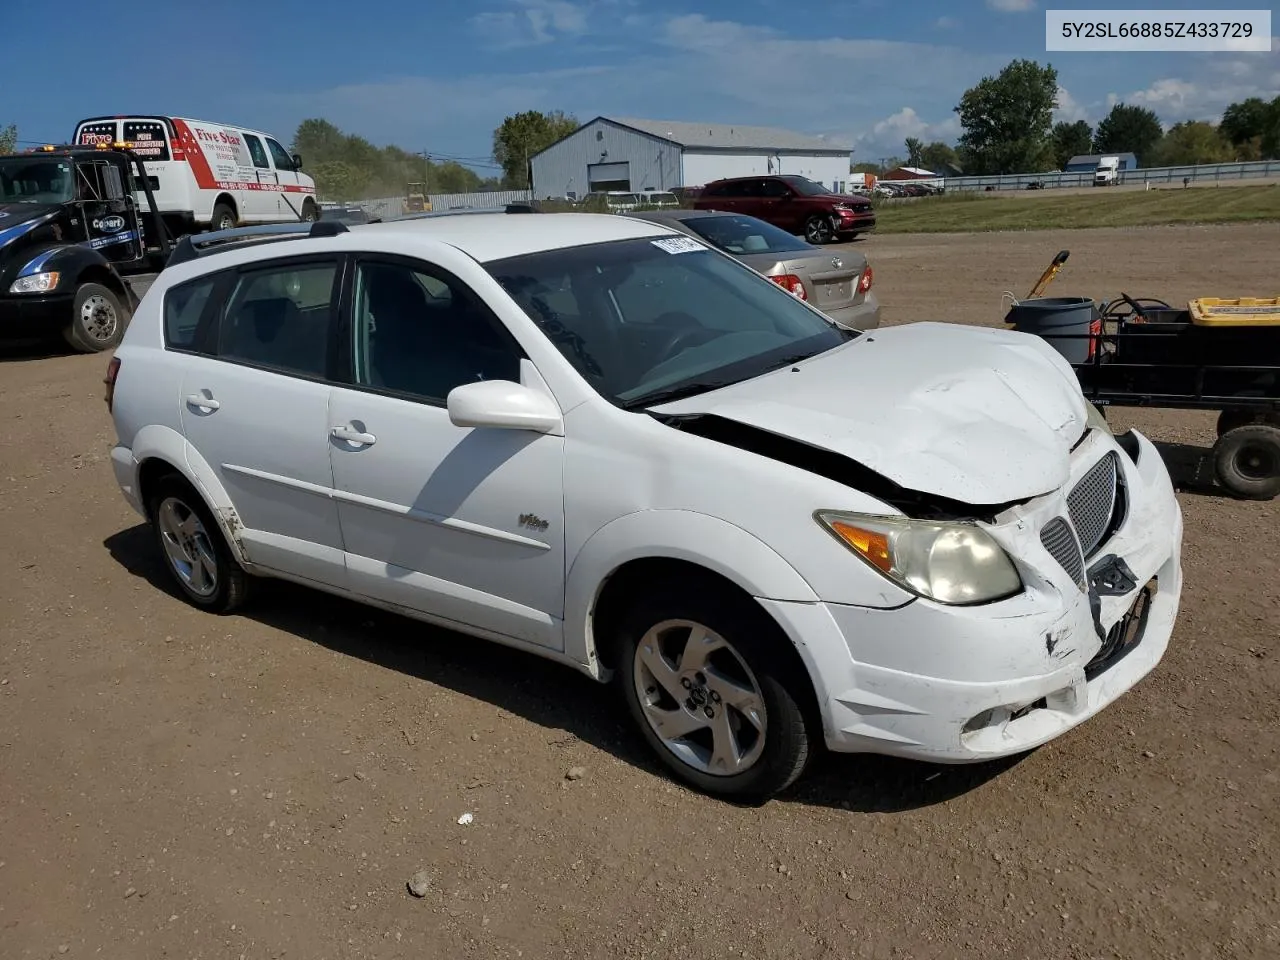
623 153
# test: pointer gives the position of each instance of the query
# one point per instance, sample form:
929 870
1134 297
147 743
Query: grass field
977 212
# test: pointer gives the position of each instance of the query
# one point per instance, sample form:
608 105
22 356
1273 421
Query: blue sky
439 76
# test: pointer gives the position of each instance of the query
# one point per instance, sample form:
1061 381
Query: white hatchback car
597 440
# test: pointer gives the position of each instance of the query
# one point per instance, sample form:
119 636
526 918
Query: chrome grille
1060 541
1092 503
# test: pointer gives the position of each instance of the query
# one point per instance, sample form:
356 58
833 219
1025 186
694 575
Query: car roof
484 236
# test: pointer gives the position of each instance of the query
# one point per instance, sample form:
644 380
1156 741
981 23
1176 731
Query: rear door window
149 139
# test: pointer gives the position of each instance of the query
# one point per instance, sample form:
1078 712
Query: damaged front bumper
965 684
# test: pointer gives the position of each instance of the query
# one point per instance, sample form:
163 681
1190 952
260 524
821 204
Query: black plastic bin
1065 322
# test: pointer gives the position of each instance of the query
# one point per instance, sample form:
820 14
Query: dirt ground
260 786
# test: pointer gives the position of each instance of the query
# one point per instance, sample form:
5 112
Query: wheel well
637 577
96 273
150 473
226 200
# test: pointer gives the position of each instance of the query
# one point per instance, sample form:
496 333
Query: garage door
609 176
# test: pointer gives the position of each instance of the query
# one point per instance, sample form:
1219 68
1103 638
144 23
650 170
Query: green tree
937 155
1193 142
521 135
1128 129
349 167
1007 118
865 168
915 152
8 139
1245 121
1071 140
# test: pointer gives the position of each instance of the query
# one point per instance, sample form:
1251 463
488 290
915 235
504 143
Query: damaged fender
158 442
678 535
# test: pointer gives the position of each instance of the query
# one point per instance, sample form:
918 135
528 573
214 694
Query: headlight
1097 420
35 283
952 563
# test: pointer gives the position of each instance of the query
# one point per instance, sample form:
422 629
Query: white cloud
1011 6
532 23
1069 109
693 68
946 23
887 137
1213 82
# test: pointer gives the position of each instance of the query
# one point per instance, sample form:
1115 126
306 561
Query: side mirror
297 161
504 405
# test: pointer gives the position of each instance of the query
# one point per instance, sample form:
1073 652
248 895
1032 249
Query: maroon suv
796 204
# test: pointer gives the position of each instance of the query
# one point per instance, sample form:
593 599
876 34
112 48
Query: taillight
113 371
864 282
792 284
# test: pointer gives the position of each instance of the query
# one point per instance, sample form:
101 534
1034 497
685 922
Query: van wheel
224 217
193 548
308 212
98 319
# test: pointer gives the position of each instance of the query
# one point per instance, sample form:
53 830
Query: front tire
98 319
309 214
194 550
707 681
224 217
817 230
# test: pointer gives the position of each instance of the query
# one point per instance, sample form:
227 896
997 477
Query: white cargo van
210 175
1107 172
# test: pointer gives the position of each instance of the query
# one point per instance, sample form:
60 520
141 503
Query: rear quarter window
184 305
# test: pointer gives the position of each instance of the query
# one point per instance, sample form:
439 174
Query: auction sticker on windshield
678 245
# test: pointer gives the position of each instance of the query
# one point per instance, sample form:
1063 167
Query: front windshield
648 320
806 187
743 235
35 180
623 198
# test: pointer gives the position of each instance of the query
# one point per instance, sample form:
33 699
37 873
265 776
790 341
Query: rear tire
224 217
754 741
193 548
1247 461
98 319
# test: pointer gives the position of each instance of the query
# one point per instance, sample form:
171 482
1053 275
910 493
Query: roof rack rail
198 245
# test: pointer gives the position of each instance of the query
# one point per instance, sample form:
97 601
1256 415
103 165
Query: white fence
1207 172
387 207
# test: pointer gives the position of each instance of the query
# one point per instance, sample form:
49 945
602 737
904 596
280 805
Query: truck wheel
98 319
224 218
308 211
1247 461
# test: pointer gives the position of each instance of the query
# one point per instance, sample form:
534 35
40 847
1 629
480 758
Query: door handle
203 402
352 435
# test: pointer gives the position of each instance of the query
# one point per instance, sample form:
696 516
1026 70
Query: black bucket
1059 320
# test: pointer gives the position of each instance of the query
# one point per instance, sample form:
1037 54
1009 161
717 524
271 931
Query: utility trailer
1214 354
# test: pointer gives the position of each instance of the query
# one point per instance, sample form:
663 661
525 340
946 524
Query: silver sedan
838 284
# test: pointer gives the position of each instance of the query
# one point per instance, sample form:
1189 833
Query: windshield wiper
675 393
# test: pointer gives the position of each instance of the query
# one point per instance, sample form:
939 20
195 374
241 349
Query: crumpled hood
18 218
973 414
